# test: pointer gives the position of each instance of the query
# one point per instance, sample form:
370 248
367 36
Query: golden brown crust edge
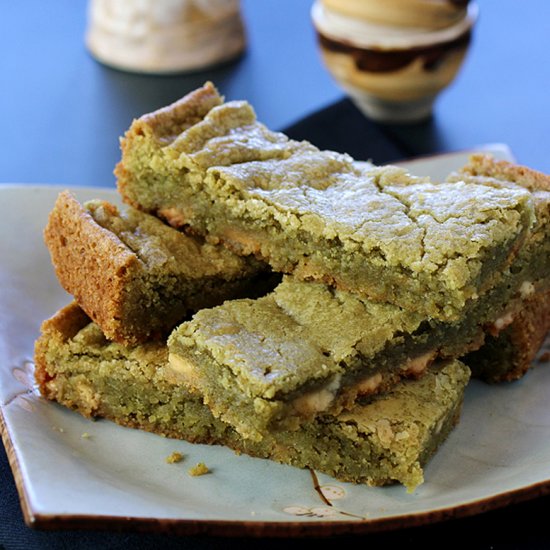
524 336
90 262
510 352
173 119
64 324
55 332
485 165
527 333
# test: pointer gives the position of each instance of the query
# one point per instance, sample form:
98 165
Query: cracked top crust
279 342
314 213
406 221
400 221
389 438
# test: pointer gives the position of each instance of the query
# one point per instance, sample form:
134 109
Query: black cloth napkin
343 128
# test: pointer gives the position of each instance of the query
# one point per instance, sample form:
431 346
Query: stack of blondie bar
288 302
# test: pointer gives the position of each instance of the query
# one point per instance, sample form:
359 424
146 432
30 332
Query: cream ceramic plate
74 472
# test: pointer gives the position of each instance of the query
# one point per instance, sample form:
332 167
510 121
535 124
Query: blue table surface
62 114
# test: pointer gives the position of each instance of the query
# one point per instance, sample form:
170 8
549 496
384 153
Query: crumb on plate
174 457
199 469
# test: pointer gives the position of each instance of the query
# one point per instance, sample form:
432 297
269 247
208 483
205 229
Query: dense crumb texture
381 232
533 259
516 335
80 368
513 341
136 276
385 441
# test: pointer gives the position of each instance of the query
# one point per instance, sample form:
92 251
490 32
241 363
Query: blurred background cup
165 36
394 57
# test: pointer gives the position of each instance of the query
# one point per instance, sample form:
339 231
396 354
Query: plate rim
256 529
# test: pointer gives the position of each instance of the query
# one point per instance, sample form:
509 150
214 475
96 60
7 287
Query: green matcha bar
136 276
386 441
213 168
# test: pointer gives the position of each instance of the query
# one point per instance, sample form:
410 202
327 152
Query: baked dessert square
136 276
388 440
533 259
514 339
278 361
212 168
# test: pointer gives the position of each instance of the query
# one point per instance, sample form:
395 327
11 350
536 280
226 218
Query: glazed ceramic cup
164 36
423 14
392 73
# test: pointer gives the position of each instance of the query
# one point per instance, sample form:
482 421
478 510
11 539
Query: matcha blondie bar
136 276
515 337
385 441
212 168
